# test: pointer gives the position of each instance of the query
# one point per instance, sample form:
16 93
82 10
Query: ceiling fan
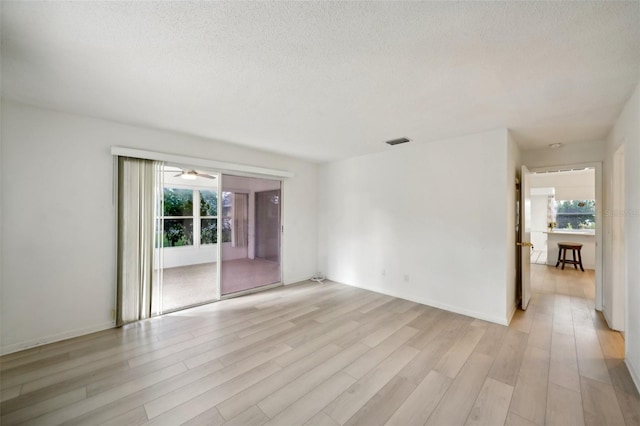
193 174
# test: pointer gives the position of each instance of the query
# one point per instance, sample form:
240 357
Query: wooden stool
562 255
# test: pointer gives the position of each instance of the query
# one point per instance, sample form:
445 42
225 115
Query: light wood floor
327 354
539 257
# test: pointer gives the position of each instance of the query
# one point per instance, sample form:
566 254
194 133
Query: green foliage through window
208 231
178 232
178 202
576 214
208 203
180 217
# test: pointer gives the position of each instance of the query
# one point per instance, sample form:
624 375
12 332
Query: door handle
525 244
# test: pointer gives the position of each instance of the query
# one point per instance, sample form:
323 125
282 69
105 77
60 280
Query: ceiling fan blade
204 175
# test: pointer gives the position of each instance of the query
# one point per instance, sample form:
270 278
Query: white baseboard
606 317
608 321
633 373
15 347
435 304
514 308
297 279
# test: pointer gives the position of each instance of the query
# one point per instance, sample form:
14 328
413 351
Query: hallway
573 369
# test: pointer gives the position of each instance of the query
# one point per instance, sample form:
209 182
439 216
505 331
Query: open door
524 244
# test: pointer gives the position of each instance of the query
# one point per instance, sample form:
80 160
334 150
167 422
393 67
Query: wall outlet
113 314
406 278
383 273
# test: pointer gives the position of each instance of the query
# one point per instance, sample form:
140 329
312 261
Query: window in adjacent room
208 217
178 217
576 214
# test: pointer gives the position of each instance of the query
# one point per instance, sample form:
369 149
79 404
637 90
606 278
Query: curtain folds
139 208
240 219
552 209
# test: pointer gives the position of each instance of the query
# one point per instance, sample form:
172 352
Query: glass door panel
250 247
189 239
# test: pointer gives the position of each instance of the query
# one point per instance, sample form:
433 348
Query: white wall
58 218
423 221
627 131
173 257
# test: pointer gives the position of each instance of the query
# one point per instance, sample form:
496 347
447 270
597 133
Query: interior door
524 244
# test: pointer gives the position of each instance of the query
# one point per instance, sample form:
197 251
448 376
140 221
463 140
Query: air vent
398 141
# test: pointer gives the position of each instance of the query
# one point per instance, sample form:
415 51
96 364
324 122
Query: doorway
563 209
576 214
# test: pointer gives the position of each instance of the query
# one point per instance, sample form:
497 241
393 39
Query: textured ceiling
325 81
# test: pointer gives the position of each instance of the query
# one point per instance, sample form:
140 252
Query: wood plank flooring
329 354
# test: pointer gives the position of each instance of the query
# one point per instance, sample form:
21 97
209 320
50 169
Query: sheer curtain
240 219
139 212
552 209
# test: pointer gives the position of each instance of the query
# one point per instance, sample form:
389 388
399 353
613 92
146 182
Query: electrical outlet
384 273
406 278
113 314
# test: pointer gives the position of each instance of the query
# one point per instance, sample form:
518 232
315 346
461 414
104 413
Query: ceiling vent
397 141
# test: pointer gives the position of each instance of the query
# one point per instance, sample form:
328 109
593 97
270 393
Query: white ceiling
324 81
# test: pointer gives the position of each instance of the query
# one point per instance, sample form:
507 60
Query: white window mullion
196 218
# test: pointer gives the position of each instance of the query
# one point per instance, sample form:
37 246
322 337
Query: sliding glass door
250 221
188 240
187 237
236 222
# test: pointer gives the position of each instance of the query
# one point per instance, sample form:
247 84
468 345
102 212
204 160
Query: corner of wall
321 225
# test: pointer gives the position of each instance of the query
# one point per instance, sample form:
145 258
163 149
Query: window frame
195 217
190 217
593 214
200 217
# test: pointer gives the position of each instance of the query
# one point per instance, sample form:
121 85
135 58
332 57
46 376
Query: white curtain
139 210
552 209
240 220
